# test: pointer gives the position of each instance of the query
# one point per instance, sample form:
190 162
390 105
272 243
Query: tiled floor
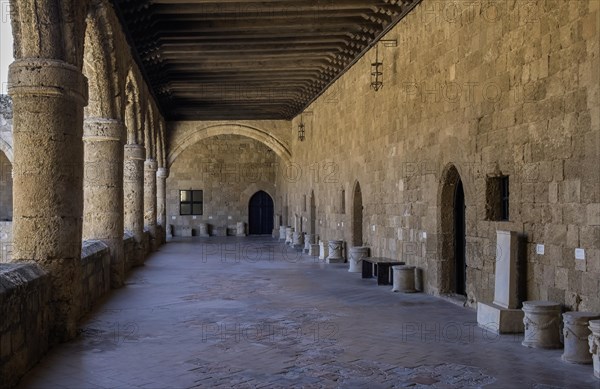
246 313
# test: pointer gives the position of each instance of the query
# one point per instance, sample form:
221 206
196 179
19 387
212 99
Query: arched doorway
453 249
460 268
260 214
312 216
357 216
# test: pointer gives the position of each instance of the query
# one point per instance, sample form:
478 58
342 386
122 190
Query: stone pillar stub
506 288
336 248
103 189
133 190
150 168
161 198
542 324
404 279
48 99
357 254
575 334
502 316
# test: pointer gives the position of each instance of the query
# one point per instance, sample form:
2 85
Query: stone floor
246 313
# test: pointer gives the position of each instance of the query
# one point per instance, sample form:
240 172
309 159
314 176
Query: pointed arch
231 129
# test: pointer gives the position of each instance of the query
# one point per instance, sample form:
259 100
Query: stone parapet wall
24 319
95 261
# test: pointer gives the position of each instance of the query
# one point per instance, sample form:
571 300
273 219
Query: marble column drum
542 324
594 344
133 193
357 253
161 200
48 99
103 189
150 168
336 248
404 279
575 334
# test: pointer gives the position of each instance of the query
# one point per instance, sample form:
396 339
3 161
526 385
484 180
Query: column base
500 320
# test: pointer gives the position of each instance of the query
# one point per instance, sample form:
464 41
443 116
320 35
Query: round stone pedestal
357 254
594 343
282 233
203 229
576 333
542 321
404 279
335 251
289 235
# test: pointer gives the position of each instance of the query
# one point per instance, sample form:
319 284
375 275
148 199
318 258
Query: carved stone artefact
575 335
594 344
309 239
503 315
289 235
203 230
357 254
336 251
282 233
240 229
542 324
404 279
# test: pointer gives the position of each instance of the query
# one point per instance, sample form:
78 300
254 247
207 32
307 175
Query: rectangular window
497 198
191 202
504 190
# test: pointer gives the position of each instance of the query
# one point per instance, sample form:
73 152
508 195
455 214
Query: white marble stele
502 316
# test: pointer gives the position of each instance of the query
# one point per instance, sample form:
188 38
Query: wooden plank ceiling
242 59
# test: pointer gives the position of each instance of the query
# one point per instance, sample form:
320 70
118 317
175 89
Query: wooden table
380 267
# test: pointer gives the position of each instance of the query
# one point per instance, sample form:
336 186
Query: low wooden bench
379 267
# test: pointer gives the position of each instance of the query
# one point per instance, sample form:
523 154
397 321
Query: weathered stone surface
150 168
575 334
103 189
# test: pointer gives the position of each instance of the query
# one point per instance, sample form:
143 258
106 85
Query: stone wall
24 319
229 169
95 260
505 88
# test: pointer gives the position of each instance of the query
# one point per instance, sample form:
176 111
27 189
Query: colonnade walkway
250 313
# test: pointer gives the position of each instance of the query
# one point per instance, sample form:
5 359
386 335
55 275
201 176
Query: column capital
102 130
133 151
162 172
47 77
151 165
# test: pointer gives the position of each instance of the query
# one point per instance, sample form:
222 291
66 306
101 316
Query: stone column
48 99
103 190
161 200
150 168
133 193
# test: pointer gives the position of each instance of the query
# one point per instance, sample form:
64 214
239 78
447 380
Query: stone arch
52 29
231 129
132 109
100 66
357 215
451 188
254 187
7 149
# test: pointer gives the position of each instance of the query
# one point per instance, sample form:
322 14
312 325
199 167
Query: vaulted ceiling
242 59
